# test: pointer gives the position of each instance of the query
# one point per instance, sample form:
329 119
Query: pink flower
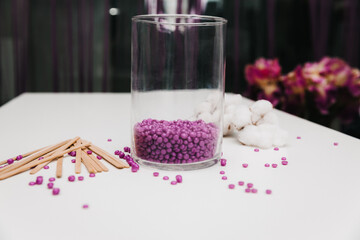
354 83
265 75
323 78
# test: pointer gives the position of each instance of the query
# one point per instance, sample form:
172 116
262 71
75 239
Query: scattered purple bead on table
256 150
73 160
121 155
254 190
19 157
10 161
284 162
32 183
245 165
99 157
249 185
268 191
52 179
39 180
71 178
73 153
50 185
174 182
267 165
127 149
247 190
85 206
274 165
283 158
134 169
223 162
56 191
92 175
109 140
298 137
89 152
241 183
178 178
231 186
117 152
224 178
155 174
46 167
166 178
222 172
276 149
41 158
336 144
80 178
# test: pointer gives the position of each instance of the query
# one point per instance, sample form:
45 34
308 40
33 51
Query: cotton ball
216 115
242 117
270 118
255 118
233 99
267 135
261 107
227 126
230 109
206 117
204 107
249 135
214 98
280 137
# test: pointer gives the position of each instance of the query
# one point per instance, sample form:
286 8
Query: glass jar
177 90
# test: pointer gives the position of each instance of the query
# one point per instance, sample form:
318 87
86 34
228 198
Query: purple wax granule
175 142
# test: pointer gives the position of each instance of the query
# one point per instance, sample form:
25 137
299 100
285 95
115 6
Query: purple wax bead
41 158
19 157
50 185
92 175
223 162
39 180
127 149
166 178
174 182
99 157
46 167
80 178
52 179
117 152
85 206
134 169
73 160
71 178
89 152
10 161
156 174
109 140
56 191
179 178
32 183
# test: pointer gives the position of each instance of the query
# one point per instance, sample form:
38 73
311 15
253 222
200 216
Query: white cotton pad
261 107
241 117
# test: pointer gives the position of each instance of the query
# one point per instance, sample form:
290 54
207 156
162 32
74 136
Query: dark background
78 46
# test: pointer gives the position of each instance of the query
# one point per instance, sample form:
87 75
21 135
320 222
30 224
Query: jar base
179 167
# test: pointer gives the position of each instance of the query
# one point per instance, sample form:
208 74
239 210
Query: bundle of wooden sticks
38 159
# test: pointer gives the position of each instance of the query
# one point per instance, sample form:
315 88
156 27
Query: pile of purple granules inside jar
175 142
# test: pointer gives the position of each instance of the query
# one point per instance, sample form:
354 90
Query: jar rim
154 19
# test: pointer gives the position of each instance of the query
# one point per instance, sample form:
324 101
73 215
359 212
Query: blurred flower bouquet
320 91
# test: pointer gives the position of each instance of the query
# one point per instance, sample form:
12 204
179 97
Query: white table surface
317 196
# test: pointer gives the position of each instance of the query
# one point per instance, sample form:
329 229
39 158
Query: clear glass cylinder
177 90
